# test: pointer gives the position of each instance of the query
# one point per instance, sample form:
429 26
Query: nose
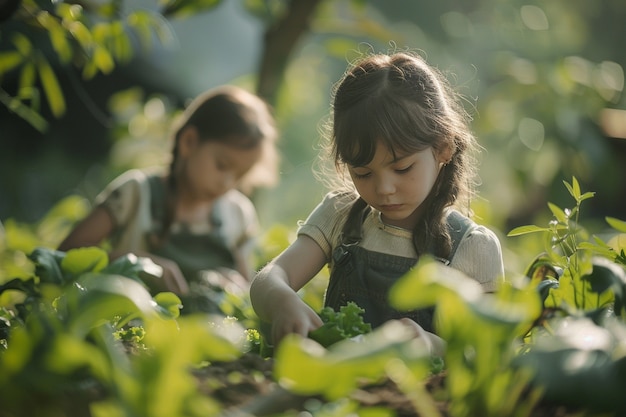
385 185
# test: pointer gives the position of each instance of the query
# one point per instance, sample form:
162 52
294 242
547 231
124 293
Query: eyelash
399 171
404 170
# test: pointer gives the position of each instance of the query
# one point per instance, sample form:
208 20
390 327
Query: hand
435 345
295 316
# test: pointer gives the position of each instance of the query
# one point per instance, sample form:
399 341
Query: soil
245 388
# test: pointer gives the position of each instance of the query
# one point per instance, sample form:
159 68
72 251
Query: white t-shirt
128 200
479 255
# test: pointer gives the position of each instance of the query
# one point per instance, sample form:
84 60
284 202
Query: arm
273 291
91 231
98 226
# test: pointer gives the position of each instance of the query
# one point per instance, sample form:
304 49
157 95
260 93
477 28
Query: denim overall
365 277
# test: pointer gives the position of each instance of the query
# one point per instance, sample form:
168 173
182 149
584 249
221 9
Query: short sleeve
479 256
324 223
240 223
121 197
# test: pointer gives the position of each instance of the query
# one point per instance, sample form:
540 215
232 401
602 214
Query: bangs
394 122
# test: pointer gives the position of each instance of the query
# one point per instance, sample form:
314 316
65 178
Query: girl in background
403 144
192 219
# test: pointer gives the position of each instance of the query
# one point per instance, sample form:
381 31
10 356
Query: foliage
339 325
67 342
84 337
92 37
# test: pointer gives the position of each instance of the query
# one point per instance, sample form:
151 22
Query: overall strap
157 197
352 232
458 226
157 202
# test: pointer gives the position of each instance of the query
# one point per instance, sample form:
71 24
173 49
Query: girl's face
213 168
398 186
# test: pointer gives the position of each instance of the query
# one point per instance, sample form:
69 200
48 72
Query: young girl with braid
192 219
405 143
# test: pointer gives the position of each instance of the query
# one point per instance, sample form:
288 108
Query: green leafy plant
87 338
573 348
339 325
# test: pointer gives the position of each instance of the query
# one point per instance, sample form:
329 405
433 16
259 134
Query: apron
365 277
195 254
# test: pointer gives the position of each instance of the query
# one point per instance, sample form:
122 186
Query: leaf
574 188
169 304
184 8
304 367
616 224
27 78
429 282
340 325
82 260
9 60
98 298
48 265
560 215
51 87
524 230
137 268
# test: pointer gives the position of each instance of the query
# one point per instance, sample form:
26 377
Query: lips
391 207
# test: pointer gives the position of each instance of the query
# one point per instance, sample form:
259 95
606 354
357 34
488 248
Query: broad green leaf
47 265
19 237
524 230
51 87
68 354
304 367
428 282
83 260
100 298
134 267
169 304
509 306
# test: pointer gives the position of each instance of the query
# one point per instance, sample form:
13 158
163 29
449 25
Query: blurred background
88 90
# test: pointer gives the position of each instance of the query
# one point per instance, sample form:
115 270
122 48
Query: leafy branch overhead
92 38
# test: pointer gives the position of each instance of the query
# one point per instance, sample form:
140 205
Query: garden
82 337
88 90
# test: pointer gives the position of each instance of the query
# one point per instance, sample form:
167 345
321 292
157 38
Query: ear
444 155
188 140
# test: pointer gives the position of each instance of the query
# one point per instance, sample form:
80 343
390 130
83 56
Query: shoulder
479 256
338 201
124 186
334 206
235 204
324 223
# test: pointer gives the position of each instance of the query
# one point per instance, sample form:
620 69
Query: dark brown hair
233 116
407 104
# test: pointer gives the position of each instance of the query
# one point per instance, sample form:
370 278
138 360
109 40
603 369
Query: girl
406 145
192 220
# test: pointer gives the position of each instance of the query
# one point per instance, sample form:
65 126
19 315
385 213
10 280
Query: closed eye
361 176
404 170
